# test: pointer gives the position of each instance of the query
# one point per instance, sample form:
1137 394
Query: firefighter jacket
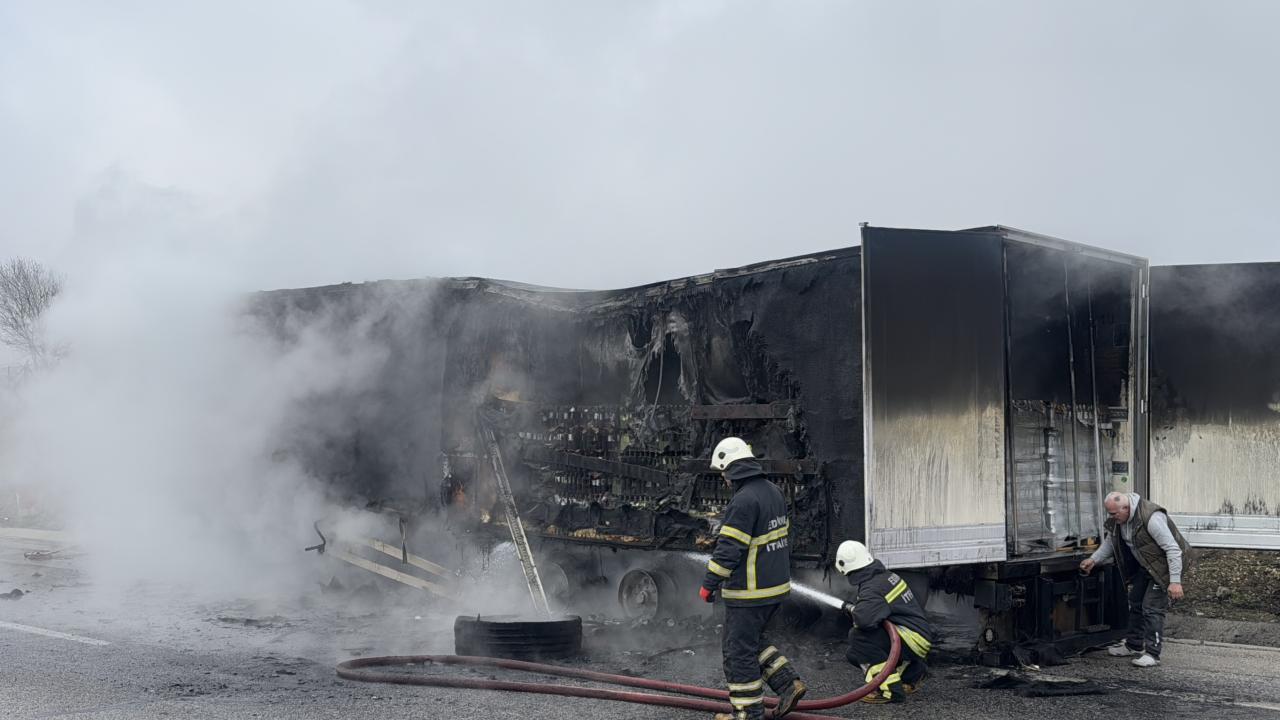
751 564
883 595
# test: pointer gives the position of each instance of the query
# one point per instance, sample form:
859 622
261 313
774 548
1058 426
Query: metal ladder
514 524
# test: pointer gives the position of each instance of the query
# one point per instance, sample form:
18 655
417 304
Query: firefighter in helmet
751 570
882 595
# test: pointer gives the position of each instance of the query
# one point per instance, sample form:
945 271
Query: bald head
1117 505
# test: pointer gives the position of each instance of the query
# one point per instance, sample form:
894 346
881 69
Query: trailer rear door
934 393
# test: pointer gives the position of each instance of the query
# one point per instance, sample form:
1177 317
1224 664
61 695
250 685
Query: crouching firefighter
751 569
882 595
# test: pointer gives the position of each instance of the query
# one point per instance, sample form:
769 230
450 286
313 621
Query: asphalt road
68 649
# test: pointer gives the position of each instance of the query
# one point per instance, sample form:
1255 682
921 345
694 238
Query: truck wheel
646 594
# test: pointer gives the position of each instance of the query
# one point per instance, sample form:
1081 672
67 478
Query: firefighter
751 570
882 595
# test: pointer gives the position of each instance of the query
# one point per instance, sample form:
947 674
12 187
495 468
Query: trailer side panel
1215 331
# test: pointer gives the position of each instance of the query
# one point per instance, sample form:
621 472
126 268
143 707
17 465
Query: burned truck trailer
960 400
952 397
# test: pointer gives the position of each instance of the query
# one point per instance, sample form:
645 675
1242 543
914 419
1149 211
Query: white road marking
1230 646
52 633
1195 697
33 534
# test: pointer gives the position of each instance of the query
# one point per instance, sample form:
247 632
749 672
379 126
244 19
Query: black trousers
871 647
1147 605
750 661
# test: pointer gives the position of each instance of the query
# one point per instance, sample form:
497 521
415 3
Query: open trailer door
934 394
1215 390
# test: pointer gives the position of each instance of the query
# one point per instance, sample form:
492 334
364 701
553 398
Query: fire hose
354 670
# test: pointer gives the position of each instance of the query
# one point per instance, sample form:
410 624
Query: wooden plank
390 573
414 560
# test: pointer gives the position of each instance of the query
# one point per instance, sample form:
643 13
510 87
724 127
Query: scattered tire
516 637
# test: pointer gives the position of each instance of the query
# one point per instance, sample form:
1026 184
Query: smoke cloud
606 144
171 158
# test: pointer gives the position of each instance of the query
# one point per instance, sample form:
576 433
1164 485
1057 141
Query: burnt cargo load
607 404
1215 390
952 397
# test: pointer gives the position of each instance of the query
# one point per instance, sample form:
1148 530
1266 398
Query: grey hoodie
1159 529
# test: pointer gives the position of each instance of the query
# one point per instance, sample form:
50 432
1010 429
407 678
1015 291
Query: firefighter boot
789 698
890 690
914 676
887 693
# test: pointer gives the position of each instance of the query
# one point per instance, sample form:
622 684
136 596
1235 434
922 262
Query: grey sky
599 144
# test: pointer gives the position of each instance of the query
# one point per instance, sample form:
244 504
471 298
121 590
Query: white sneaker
1146 661
1120 649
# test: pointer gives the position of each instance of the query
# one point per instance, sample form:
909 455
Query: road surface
72 649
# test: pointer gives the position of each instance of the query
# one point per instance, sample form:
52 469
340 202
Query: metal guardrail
1254 532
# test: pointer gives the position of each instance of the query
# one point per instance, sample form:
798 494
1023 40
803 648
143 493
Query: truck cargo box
1004 380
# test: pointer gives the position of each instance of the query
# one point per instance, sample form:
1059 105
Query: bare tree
27 289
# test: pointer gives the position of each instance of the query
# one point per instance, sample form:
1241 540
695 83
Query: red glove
706 595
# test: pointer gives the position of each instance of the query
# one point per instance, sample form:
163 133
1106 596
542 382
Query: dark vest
1146 551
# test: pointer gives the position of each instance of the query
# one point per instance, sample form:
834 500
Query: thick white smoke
159 437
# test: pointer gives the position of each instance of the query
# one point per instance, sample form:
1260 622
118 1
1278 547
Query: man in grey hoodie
1150 560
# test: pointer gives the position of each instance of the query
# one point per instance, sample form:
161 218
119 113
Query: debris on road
267 622
14 594
1040 686
40 555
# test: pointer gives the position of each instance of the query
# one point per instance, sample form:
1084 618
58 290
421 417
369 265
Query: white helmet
852 555
729 450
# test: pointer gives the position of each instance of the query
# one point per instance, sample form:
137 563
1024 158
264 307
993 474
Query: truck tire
516 637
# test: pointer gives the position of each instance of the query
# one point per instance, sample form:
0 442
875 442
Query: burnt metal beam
756 411
547 456
702 466
692 466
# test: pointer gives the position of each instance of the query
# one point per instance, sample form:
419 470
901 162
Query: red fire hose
352 670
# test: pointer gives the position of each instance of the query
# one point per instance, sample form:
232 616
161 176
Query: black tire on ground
518 638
